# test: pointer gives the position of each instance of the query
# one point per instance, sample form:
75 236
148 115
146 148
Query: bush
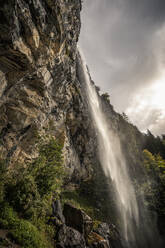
28 189
154 183
24 194
47 169
105 96
7 216
24 233
21 231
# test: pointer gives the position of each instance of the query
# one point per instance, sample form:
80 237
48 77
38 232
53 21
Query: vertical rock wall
40 93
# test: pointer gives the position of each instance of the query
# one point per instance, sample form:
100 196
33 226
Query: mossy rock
95 238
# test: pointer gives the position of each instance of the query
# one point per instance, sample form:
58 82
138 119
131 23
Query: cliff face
41 95
39 91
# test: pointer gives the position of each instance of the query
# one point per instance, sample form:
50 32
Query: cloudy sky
124 45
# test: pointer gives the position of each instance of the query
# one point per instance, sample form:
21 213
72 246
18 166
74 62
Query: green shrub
29 189
154 184
7 216
105 96
21 231
27 235
24 194
47 169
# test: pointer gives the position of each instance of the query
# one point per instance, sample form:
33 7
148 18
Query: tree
105 96
154 187
125 117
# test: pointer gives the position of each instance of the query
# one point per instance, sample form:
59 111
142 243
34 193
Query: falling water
113 164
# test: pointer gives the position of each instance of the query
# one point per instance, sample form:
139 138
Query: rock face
78 231
111 234
39 91
78 219
57 211
69 237
97 241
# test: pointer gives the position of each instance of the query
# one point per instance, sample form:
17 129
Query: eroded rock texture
39 92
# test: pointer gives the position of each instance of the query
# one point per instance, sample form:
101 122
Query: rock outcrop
69 237
78 231
77 219
39 91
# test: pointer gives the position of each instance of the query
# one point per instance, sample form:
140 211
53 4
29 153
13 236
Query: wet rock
70 238
97 241
57 210
103 229
111 234
77 219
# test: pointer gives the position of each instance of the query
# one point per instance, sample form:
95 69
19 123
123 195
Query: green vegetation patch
75 198
153 187
26 195
21 231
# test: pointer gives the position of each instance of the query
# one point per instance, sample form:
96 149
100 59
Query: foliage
47 169
23 193
75 198
21 231
156 145
28 190
106 97
154 185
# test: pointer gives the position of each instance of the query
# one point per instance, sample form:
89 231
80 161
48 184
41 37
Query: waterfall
114 166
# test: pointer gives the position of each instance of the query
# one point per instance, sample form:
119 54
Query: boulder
77 219
110 233
70 238
96 241
103 230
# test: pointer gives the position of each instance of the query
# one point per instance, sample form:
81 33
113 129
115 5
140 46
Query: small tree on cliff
106 97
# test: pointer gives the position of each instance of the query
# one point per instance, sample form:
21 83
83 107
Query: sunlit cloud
147 107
